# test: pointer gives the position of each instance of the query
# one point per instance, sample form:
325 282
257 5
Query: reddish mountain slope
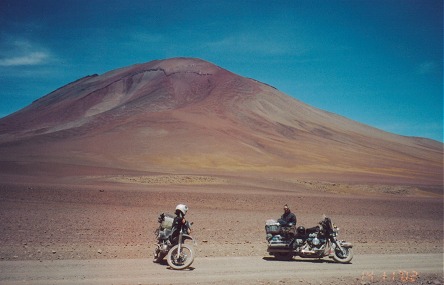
186 115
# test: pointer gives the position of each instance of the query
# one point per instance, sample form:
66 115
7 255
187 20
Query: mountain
186 115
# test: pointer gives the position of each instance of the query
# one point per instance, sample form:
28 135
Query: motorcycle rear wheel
344 256
183 260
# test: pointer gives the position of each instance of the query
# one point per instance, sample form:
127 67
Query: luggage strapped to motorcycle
166 221
272 227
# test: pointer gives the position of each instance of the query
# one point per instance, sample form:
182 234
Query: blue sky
379 62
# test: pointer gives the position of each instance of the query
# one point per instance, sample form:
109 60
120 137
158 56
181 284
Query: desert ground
112 219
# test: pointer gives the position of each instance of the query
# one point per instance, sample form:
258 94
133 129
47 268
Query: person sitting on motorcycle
179 222
288 218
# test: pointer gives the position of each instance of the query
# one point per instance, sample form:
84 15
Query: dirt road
365 269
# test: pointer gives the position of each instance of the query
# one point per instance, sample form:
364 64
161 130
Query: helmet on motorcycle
182 209
301 231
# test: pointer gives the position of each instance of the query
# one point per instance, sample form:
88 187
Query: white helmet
182 208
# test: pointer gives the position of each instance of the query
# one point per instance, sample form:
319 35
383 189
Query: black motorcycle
284 242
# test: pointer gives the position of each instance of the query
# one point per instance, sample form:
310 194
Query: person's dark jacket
287 219
178 224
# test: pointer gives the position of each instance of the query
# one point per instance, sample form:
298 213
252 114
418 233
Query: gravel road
364 269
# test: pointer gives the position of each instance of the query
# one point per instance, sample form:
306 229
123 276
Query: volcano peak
189 115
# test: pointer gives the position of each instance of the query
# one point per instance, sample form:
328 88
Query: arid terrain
86 170
115 218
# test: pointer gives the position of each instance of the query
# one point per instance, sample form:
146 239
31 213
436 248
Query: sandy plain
115 216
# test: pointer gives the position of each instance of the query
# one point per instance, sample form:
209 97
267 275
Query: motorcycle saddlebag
164 234
272 227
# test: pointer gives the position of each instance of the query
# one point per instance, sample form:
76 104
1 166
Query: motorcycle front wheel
180 260
344 256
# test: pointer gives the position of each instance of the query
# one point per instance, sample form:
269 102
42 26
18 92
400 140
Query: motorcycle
285 242
179 255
